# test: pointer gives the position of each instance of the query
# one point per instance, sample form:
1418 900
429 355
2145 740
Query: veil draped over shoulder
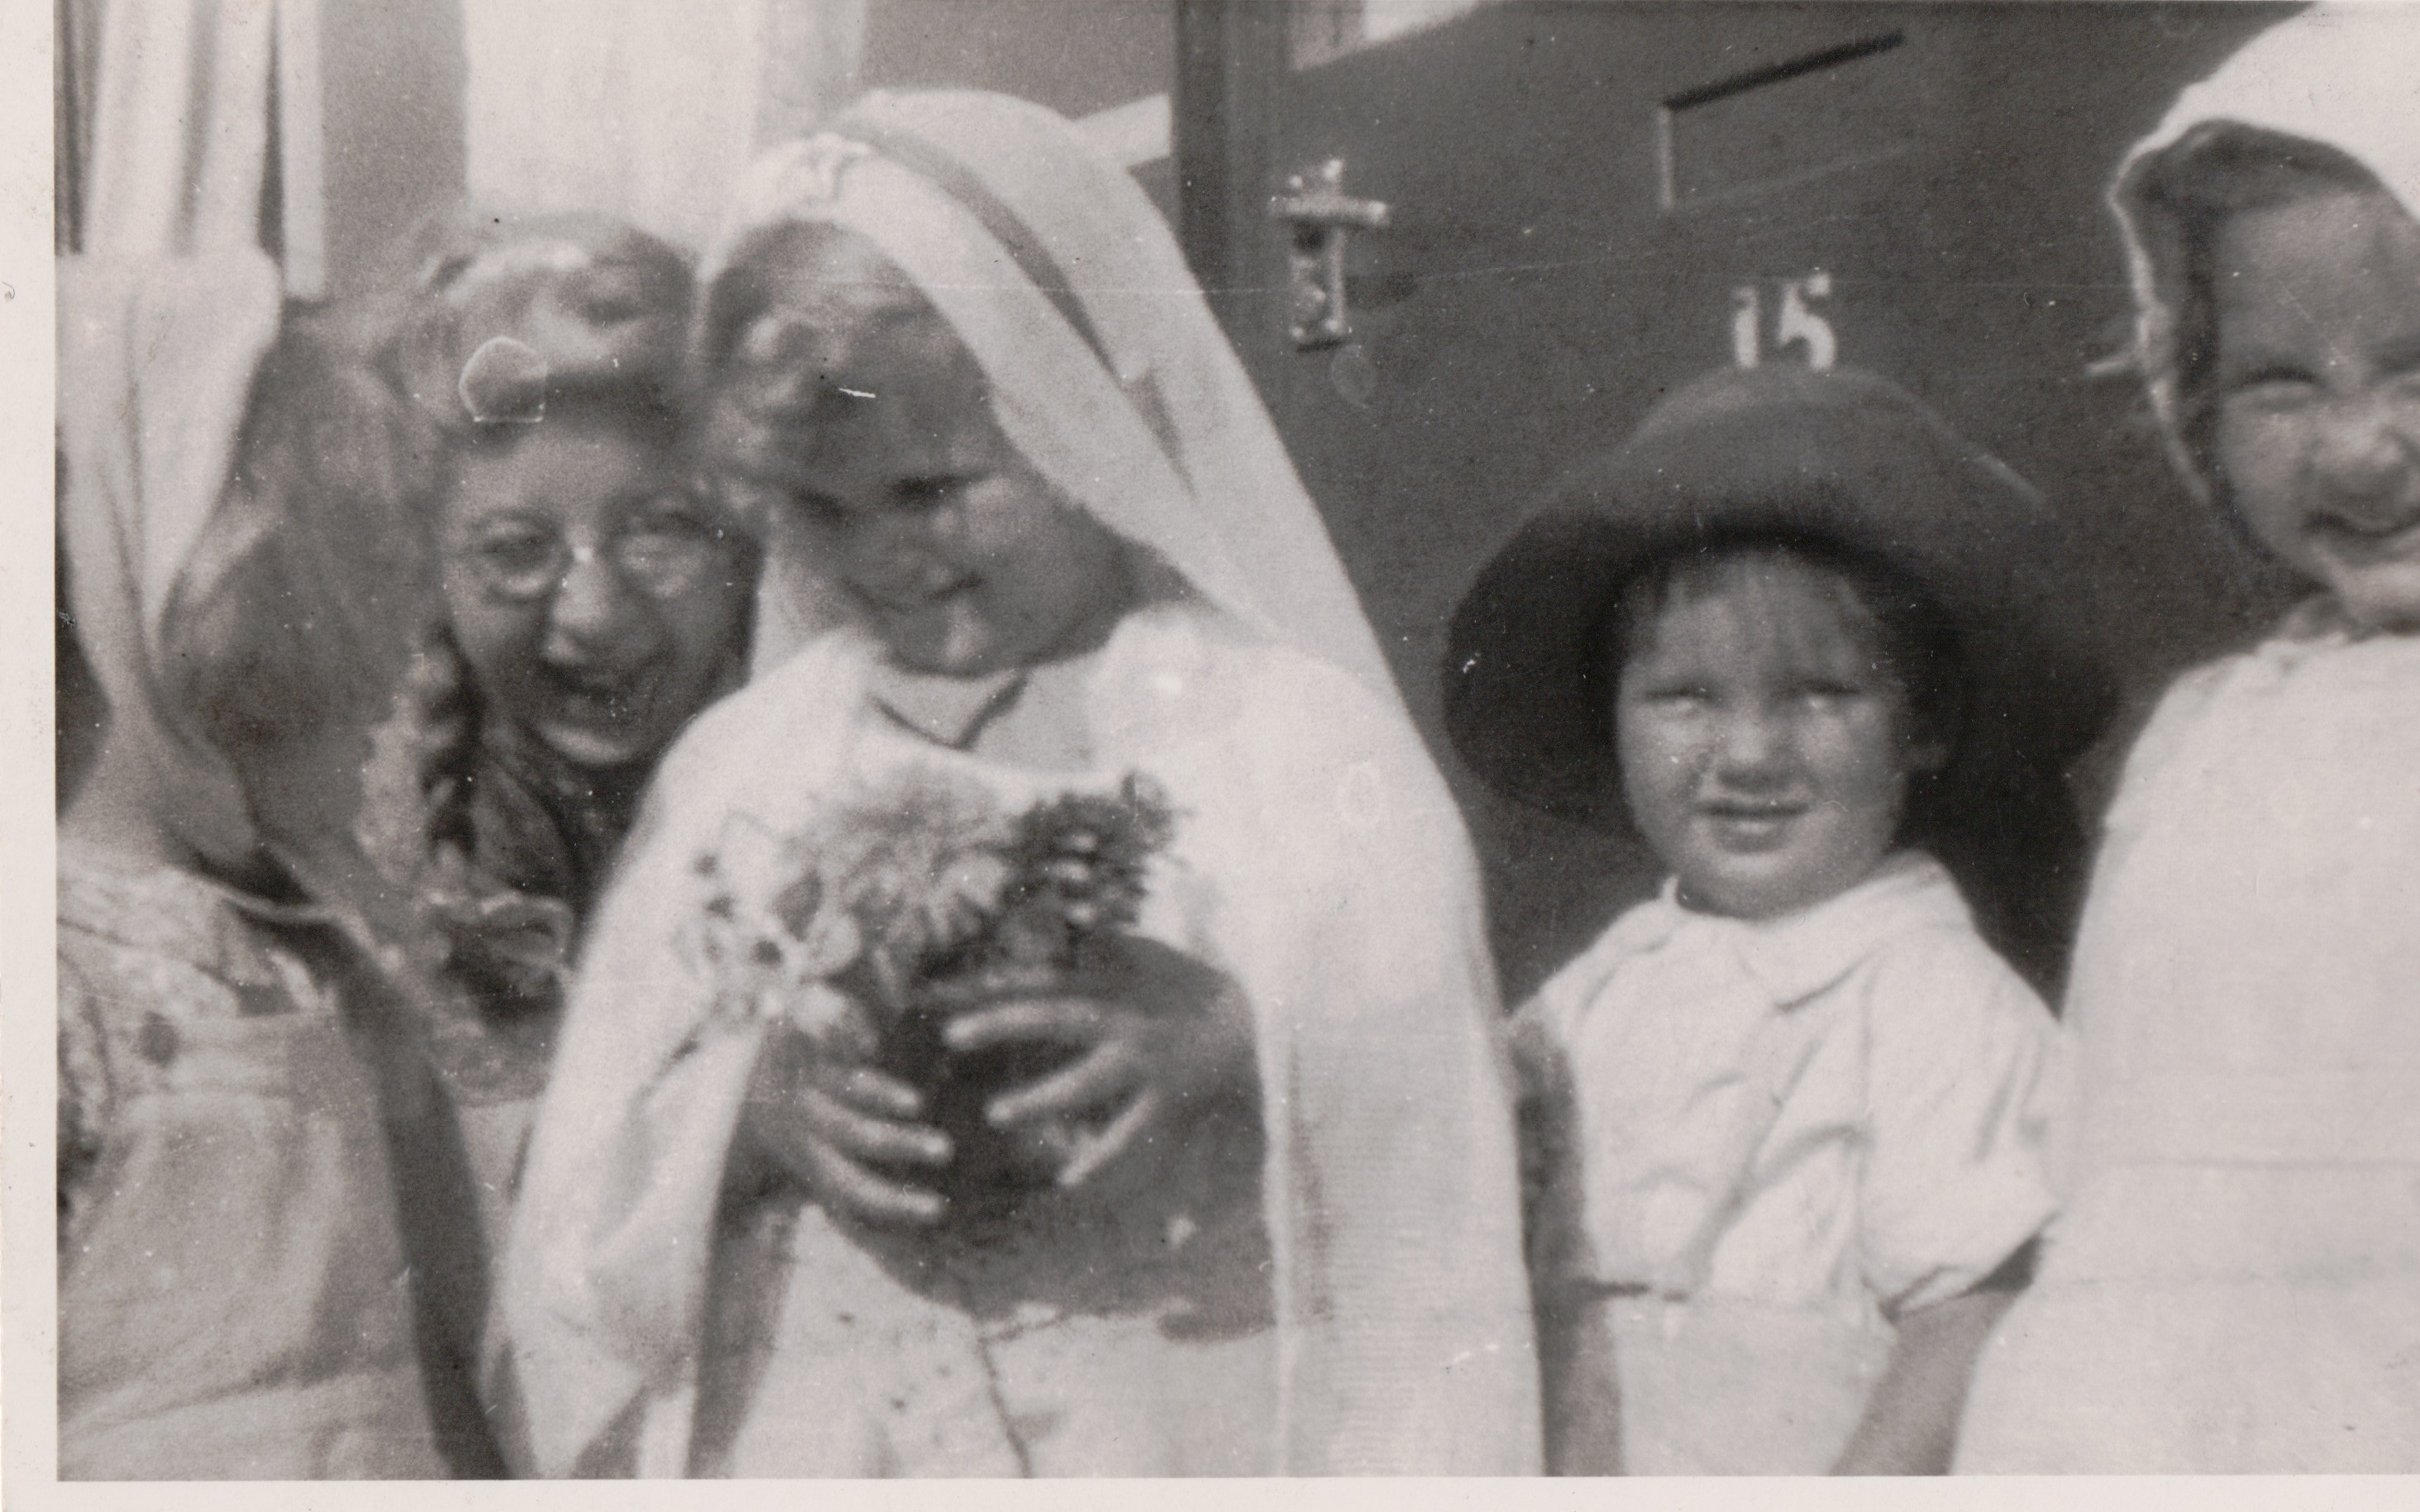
1350 914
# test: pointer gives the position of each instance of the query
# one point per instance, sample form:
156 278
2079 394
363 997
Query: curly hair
600 308
788 312
592 313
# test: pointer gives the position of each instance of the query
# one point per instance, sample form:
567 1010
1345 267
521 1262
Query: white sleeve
1954 1180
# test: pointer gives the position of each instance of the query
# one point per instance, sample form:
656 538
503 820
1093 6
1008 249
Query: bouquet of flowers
840 928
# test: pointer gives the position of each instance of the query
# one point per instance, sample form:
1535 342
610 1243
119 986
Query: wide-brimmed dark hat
1840 459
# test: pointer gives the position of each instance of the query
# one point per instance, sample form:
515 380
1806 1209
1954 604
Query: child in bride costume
991 429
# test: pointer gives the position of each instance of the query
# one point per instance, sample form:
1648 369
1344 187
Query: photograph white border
28 1077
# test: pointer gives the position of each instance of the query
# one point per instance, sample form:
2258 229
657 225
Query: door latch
1315 207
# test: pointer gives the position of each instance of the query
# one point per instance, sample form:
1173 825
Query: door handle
1320 214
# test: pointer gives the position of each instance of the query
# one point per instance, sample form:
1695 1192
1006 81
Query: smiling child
2234 1284
1782 1114
594 602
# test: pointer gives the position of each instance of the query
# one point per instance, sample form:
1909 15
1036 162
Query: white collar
1800 954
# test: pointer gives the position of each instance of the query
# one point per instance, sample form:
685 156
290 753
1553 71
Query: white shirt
1836 1109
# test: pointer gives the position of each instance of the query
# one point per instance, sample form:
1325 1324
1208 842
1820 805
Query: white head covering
156 364
2345 76
1402 1311
1108 370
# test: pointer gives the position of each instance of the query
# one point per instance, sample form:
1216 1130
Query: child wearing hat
1806 643
2234 1284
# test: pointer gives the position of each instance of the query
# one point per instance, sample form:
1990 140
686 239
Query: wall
392 80
1076 56
397 86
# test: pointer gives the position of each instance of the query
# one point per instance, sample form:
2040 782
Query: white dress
2235 1282
1339 1288
1777 1134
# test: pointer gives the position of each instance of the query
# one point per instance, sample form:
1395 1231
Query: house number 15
1795 324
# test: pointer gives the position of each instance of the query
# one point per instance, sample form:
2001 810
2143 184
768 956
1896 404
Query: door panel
1592 203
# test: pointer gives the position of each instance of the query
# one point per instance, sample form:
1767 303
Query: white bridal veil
1108 369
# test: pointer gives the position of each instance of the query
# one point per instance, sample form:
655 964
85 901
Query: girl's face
598 603
1764 755
2318 393
950 546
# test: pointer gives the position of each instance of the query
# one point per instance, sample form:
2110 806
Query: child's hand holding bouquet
1143 1036
959 998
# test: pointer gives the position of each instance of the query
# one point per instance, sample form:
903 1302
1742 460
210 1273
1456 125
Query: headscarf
1107 371
156 364
2345 76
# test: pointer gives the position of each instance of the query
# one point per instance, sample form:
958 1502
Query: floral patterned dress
238 1295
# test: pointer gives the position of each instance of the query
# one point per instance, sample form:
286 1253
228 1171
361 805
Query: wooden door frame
1227 112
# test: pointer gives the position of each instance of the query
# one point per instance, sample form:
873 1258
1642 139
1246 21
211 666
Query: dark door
1590 203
